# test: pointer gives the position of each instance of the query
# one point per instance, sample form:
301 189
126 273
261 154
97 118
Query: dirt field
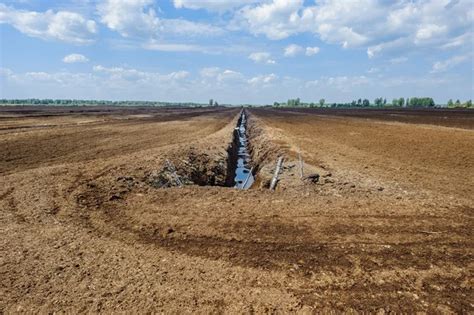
387 228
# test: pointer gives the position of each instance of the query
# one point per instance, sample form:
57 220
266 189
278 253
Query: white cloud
381 26
441 66
129 17
263 80
75 58
429 31
293 50
276 20
311 51
138 18
210 72
261 57
63 26
216 74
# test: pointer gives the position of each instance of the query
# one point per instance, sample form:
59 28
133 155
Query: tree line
424 102
75 102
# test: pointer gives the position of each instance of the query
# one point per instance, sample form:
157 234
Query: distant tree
378 101
322 102
395 102
407 103
450 103
422 102
211 102
384 101
469 104
458 103
276 104
359 102
401 101
216 104
366 103
353 103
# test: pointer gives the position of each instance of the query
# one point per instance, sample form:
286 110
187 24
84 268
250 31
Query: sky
237 51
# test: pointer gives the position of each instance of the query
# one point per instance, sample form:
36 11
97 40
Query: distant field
461 118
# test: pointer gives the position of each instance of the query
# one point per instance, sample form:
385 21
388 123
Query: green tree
322 102
378 101
450 103
366 103
211 102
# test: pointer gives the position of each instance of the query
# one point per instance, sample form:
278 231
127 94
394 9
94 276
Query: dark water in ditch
243 173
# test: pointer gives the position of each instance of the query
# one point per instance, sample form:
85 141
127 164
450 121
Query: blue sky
236 51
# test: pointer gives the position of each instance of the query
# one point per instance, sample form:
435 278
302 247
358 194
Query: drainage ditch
209 169
243 176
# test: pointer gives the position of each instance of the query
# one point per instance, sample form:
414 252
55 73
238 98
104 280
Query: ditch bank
245 152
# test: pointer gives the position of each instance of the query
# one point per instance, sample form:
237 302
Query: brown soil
388 227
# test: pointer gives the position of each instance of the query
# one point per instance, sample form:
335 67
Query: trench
235 170
240 170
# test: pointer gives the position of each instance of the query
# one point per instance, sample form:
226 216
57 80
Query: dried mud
387 228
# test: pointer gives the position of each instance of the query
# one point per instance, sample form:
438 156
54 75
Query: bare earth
388 227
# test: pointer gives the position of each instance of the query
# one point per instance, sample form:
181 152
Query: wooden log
301 165
277 172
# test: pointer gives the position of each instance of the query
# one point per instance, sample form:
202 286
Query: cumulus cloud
441 66
276 20
214 75
62 26
261 57
263 80
292 50
138 18
75 58
311 51
380 26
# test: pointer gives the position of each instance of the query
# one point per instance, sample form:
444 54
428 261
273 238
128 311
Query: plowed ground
387 228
